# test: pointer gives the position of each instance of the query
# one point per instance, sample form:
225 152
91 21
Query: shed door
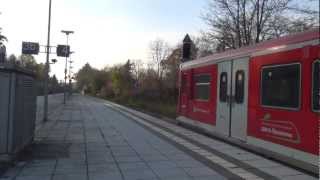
4 105
233 98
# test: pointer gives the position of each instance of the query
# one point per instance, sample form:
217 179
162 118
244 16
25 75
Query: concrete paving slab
139 175
11 173
41 163
214 177
69 177
133 166
127 159
162 165
171 173
103 176
105 168
176 178
200 171
150 158
189 163
33 178
105 144
37 171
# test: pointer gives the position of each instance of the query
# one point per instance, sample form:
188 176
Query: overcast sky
106 31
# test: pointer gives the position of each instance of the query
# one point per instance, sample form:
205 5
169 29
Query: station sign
30 48
63 51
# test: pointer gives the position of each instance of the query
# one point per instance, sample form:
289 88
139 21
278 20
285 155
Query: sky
107 32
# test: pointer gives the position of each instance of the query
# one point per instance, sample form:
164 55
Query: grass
155 107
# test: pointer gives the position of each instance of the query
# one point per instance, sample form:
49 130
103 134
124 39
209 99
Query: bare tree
2 47
236 23
159 51
2 38
137 69
202 46
281 25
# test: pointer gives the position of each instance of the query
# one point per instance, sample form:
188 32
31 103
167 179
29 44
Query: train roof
270 46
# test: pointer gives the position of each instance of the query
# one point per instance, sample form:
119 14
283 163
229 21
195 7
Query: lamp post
45 109
70 72
66 65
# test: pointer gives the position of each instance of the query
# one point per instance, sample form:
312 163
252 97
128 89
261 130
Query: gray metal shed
17 108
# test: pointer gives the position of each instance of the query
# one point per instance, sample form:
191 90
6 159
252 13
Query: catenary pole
45 109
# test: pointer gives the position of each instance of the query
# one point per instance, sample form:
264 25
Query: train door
224 90
239 98
232 101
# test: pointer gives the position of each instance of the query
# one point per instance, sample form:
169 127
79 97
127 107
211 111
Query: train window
280 86
202 87
316 86
239 94
223 87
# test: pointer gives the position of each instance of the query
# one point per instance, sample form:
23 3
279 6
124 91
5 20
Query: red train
264 97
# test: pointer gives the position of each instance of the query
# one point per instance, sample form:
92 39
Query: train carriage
265 97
